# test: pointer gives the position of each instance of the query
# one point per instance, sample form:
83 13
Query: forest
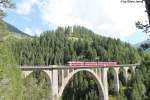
67 44
78 43
58 46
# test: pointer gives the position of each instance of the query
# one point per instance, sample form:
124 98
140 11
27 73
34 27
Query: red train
89 64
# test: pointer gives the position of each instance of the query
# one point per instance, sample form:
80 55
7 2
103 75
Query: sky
112 18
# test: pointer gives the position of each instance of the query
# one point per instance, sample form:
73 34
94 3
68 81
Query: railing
59 67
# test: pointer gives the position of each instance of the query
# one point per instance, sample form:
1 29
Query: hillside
15 31
62 45
145 45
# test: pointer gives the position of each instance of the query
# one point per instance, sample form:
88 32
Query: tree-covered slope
14 30
77 43
144 45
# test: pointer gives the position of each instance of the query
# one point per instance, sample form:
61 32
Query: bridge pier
99 73
62 76
55 84
105 82
126 74
67 72
133 69
116 79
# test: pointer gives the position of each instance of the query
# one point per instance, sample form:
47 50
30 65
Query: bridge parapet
61 67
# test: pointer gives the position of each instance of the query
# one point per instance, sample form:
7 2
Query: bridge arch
26 73
113 80
123 75
46 73
97 79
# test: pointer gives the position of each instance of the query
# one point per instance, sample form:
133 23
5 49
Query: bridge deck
61 67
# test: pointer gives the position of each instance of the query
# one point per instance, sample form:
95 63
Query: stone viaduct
59 77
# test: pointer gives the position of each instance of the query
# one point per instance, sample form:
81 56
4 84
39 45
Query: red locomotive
89 64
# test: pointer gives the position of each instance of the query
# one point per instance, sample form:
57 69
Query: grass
111 97
73 38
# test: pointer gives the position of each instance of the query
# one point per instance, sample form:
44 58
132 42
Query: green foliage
5 4
37 87
54 47
81 87
3 32
121 95
145 75
58 47
11 87
138 89
122 77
